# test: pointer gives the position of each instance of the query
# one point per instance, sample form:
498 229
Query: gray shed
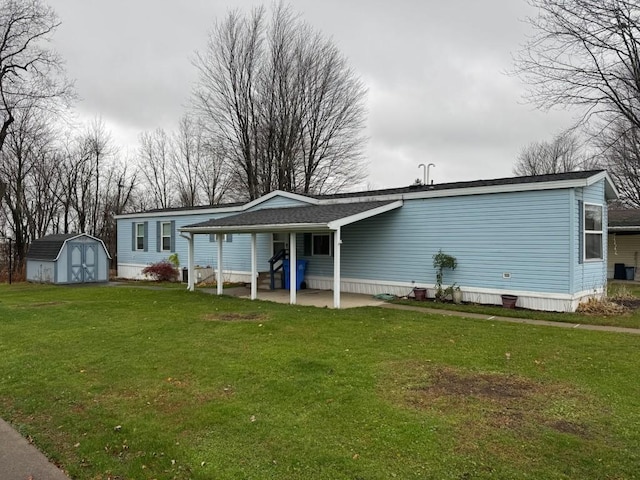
68 258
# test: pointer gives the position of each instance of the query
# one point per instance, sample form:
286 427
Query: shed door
83 262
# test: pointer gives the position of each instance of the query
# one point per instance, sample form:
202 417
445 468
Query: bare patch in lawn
235 317
482 404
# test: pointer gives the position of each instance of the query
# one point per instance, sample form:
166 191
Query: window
226 237
140 236
166 236
322 244
592 232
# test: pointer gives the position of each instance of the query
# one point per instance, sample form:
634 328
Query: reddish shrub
162 271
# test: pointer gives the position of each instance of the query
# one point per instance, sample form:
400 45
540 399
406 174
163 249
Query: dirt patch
235 317
492 386
479 404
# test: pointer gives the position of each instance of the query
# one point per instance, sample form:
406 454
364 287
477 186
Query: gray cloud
435 72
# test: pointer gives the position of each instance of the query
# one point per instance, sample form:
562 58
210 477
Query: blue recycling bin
302 267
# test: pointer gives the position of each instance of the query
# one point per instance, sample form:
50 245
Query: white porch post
254 267
191 280
336 268
293 268
219 280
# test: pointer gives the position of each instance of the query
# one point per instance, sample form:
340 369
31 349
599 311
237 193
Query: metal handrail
277 257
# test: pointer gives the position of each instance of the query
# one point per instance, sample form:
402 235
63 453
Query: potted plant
509 301
456 295
441 261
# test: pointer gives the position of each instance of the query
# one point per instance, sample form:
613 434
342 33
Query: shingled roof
621 218
48 247
292 216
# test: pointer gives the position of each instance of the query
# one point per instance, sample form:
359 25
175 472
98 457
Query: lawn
128 383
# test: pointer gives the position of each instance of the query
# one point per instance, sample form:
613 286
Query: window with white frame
165 236
321 244
139 236
226 237
593 249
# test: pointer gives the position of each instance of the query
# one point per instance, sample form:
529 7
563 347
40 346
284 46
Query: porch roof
304 218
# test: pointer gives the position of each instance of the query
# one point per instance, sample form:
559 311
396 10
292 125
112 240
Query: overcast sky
434 69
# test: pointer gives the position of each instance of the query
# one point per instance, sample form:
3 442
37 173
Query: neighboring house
624 243
539 237
68 258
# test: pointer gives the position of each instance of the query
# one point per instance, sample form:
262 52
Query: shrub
162 271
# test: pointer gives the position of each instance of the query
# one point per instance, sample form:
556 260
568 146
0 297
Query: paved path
493 318
19 460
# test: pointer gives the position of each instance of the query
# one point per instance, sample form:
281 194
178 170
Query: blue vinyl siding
237 253
589 275
525 234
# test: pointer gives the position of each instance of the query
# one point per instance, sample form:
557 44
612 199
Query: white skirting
132 271
554 302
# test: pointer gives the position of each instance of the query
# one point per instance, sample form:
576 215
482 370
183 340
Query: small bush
162 271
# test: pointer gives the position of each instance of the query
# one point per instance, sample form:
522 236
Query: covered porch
329 219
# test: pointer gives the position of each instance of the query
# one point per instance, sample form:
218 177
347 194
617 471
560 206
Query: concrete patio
310 297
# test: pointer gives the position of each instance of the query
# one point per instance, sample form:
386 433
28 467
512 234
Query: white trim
180 212
280 193
341 222
73 238
586 232
546 301
163 236
285 227
144 234
623 229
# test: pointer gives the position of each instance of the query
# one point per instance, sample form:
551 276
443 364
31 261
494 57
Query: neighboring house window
593 232
166 236
321 244
140 236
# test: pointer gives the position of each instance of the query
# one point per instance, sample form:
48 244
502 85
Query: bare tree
28 70
563 154
155 167
186 161
27 150
282 103
585 54
620 147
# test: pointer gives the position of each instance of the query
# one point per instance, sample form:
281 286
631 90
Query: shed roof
48 247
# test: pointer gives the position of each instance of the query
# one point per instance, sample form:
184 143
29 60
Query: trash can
302 268
619 272
631 273
185 275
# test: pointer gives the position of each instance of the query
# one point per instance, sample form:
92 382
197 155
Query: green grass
143 384
630 320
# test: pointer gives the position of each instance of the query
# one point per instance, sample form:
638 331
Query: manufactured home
540 238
